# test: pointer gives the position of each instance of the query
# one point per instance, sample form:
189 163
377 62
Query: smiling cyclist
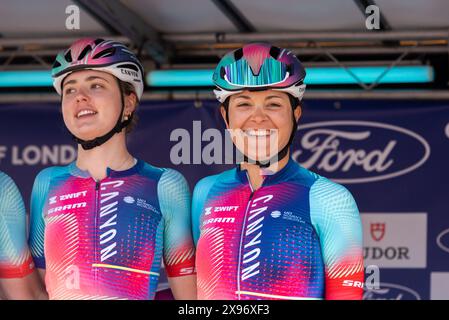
269 228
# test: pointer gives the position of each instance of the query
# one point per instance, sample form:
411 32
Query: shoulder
164 176
43 179
331 203
171 184
51 172
324 190
8 188
6 182
205 184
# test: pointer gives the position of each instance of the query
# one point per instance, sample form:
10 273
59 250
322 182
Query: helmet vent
83 53
56 64
222 73
68 56
98 41
274 52
238 54
128 66
105 53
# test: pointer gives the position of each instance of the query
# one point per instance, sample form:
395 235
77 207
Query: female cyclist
101 225
269 228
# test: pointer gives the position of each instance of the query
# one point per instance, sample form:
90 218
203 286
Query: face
91 103
260 122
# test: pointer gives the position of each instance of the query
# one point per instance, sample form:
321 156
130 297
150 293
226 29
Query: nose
258 115
81 96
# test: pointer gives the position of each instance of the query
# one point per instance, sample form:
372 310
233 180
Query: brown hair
126 88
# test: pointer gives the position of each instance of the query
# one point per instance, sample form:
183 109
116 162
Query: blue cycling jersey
299 236
106 239
15 258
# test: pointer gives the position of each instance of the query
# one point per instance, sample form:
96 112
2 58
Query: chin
85 134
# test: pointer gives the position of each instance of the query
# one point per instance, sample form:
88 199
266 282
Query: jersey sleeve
15 257
37 222
174 200
336 218
198 199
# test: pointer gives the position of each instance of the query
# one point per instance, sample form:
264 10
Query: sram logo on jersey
186 271
352 283
218 220
63 209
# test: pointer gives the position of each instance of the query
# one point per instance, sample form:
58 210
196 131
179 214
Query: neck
256 174
111 154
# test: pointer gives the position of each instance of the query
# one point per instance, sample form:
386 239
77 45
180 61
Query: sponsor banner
395 240
439 286
391 155
391 291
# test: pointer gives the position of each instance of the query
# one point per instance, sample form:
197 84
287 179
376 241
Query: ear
297 112
223 114
130 103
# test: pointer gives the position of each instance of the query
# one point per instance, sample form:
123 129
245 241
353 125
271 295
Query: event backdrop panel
392 155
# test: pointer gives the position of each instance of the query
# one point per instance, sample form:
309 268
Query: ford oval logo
391 291
359 151
443 240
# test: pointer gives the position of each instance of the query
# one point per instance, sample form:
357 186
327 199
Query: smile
259 132
85 112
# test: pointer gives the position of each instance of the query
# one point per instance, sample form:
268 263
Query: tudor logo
359 151
395 240
377 231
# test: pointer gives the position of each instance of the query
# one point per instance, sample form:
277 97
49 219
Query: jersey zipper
242 235
96 215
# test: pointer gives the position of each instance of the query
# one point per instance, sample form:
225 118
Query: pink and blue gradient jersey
106 239
299 236
15 257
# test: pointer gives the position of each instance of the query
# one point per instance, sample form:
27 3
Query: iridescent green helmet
258 66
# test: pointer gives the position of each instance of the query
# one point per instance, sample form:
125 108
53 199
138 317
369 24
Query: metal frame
234 15
119 19
116 15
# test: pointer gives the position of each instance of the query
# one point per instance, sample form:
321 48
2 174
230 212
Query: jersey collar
281 176
75 171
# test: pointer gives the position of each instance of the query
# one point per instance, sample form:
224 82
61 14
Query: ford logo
444 245
391 291
359 151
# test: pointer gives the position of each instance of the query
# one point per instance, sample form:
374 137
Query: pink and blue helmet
259 66
101 55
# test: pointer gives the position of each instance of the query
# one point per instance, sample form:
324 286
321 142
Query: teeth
85 112
259 133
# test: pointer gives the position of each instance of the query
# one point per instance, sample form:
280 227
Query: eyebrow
273 96
90 78
243 97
